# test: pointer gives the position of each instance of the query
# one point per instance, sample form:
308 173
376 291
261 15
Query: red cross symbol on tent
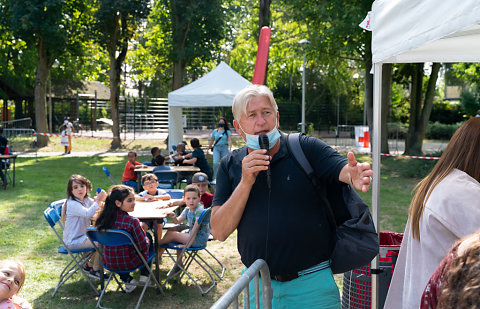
364 139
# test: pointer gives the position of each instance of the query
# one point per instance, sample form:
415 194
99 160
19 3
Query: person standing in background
64 139
69 131
220 143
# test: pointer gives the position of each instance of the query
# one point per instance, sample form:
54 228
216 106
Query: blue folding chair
191 255
57 205
223 268
167 179
175 193
115 238
107 172
79 257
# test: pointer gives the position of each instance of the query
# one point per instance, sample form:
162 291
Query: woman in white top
77 213
446 207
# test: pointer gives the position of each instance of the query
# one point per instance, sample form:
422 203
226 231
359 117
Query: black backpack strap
295 148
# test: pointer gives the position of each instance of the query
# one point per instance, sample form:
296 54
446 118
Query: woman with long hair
445 207
220 143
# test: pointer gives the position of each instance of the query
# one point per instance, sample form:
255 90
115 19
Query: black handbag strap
294 147
218 139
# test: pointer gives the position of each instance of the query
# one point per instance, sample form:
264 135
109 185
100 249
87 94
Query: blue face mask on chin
252 140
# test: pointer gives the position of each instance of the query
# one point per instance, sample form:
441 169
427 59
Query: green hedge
437 130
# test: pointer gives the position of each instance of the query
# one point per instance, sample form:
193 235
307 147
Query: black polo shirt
299 235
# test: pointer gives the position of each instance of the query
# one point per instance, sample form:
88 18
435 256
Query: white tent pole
175 126
377 114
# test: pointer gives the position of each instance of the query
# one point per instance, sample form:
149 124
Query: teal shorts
315 290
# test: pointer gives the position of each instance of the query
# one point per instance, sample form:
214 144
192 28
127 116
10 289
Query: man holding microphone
281 223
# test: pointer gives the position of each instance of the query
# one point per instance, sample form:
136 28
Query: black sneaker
96 274
87 268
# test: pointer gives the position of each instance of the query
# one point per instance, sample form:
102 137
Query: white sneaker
130 286
143 280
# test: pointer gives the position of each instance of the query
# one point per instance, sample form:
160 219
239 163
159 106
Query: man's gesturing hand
255 162
359 173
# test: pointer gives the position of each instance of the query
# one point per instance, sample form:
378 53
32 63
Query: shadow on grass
27 236
77 293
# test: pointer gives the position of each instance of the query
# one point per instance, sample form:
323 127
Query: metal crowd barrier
345 136
231 296
22 123
12 133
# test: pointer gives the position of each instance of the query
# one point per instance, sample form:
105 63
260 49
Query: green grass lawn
27 237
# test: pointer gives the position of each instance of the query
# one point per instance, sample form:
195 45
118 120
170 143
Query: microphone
264 144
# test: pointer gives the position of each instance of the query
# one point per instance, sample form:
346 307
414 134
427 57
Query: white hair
243 97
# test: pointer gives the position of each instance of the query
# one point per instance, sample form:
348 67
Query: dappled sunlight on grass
27 236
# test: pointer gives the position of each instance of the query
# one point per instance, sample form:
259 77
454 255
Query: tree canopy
164 44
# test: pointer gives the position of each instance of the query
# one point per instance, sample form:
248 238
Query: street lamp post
302 43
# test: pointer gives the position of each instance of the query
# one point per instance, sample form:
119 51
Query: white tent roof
216 88
425 31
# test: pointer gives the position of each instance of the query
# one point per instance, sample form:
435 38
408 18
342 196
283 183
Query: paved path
339 144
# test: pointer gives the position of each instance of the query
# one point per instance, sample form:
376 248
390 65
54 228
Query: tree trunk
386 102
19 113
420 113
412 146
178 69
264 15
114 75
40 91
179 41
429 96
29 111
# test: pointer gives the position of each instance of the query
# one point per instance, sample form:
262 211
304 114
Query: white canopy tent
215 89
416 31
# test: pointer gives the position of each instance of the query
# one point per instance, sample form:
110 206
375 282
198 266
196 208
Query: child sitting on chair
160 164
191 213
12 277
129 177
201 181
150 194
120 201
77 213
155 151
151 191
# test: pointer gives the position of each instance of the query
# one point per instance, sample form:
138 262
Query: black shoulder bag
356 240
218 139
